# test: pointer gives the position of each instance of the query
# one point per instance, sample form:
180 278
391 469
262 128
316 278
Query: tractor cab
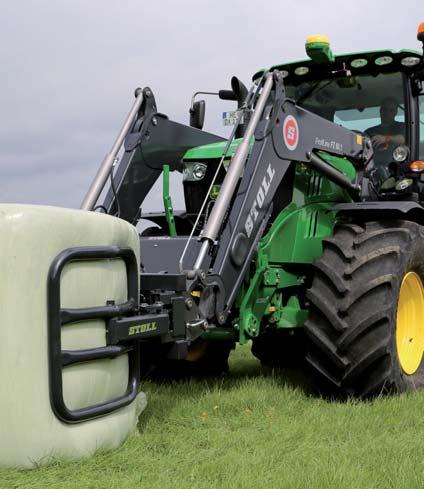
377 94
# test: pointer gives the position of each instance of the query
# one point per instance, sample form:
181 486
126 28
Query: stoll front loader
302 233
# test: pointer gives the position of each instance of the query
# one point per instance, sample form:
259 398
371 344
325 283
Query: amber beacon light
420 32
417 166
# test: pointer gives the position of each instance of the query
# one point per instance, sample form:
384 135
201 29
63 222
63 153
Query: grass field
253 428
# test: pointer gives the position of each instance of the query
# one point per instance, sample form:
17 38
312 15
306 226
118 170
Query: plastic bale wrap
30 238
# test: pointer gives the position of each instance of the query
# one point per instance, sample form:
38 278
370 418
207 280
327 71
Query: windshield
371 104
353 102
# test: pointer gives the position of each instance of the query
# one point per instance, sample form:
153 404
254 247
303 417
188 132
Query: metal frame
151 141
110 160
268 156
58 317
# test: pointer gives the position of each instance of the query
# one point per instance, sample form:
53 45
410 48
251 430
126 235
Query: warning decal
291 132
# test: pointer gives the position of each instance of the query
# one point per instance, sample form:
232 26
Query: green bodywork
211 151
269 296
273 293
167 202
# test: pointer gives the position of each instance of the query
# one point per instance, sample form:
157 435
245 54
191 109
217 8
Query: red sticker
291 132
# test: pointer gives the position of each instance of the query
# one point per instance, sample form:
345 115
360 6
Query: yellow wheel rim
410 322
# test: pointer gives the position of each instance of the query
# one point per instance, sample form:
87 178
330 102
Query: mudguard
377 211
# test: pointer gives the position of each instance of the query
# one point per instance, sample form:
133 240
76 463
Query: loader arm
152 142
284 134
197 292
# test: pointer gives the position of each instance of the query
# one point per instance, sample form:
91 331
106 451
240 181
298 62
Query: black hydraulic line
334 175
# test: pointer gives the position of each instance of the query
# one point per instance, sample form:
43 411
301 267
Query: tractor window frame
420 124
410 137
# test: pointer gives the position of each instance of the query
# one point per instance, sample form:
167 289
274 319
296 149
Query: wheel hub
410 323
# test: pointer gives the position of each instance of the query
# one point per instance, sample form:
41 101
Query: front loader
301 234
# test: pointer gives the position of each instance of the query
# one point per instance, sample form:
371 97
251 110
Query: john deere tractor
302 233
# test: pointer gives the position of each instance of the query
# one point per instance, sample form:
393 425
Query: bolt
154 121
252 321
189 304
221 318
148 93
203 275
205 325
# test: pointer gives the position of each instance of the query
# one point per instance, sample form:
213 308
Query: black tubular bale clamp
57 317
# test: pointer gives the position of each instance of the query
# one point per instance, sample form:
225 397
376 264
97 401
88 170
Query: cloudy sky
69 68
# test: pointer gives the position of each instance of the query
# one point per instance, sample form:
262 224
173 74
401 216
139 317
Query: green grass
253 428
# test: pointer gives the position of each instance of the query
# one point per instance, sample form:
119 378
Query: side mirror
239 89
197 114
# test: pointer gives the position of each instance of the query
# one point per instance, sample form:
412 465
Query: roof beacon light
318 49
420 32
417 166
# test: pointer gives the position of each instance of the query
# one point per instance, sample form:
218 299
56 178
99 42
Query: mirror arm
200 93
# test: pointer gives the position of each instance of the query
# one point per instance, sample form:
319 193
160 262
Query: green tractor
302 233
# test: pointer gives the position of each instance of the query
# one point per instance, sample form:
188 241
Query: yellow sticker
359 139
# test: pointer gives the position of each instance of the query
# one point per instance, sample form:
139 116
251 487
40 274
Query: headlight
400 153
410 61
404 184
194 171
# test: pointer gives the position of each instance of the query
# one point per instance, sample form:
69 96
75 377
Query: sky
69 70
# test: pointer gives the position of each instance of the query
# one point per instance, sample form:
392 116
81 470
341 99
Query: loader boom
278 133
268 170
239 264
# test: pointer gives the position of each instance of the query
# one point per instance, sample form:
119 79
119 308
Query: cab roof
317 70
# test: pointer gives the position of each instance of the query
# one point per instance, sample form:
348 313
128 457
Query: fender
370 211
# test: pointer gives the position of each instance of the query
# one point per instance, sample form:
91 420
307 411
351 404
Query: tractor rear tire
366 325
